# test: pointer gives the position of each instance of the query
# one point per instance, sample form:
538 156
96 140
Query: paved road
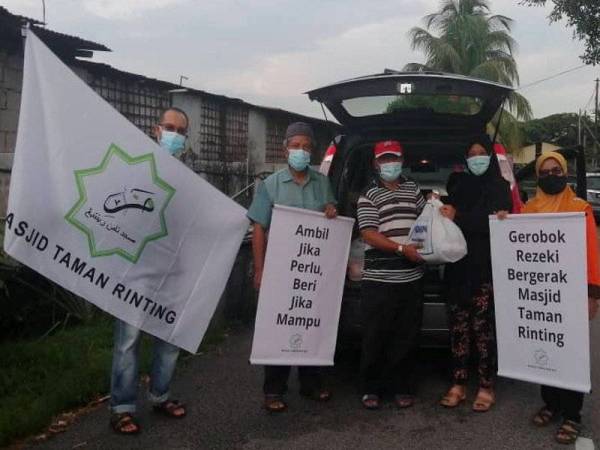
224 394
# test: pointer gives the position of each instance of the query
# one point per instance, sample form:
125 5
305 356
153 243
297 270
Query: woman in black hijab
473 196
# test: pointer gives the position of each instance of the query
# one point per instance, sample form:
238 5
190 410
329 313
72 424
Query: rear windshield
390 104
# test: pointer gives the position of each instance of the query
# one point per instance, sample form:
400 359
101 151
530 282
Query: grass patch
42 378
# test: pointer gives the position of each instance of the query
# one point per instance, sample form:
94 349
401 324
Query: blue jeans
124 376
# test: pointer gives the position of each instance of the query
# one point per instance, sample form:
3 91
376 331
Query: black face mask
552 184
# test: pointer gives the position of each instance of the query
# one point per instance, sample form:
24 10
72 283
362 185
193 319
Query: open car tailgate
412 101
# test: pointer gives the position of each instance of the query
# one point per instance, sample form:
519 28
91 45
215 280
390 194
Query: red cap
387 148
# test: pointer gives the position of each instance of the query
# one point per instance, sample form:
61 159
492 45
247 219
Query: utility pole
596 120
579 128
583 133
596 109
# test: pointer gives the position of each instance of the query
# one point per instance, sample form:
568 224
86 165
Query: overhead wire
551 77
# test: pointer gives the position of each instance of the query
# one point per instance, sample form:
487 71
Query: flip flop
484 401
168 408
454 397
543 417
274 403
568 432
403 401
119 421
318 395
370 401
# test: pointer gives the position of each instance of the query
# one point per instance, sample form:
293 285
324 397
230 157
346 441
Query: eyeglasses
554 171
169 127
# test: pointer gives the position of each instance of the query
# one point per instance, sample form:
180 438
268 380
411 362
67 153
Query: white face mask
171 141
390 171
298 159
478 165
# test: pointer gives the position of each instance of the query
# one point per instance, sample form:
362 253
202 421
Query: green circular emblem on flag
121 205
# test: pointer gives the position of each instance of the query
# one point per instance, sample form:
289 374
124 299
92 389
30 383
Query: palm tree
470 41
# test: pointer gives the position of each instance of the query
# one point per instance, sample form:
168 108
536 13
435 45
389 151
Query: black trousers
392 314
276 378
568 403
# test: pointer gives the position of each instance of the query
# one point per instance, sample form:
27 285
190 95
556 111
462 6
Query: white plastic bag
440 238
356 261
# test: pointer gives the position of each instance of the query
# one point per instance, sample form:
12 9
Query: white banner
301 290
540 292
96 206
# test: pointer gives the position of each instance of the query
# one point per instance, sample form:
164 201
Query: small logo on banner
541 358
121 204
296 341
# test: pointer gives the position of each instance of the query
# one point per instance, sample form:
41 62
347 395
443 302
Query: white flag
96 206
540 294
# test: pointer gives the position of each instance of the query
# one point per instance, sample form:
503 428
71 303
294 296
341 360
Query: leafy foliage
559 129
438 103
33 305
584 17
463 37
41 378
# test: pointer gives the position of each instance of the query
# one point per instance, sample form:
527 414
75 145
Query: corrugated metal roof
75 42
10 35
254 106
102 69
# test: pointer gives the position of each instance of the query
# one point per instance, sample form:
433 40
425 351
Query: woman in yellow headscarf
555 196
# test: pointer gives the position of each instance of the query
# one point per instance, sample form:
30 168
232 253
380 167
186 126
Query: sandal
318 395
274 403
121 423
543 417
484 400
404 400
370 401
568 432
170 408
454 397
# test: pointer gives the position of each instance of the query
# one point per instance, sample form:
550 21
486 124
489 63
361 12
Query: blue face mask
390 171
171 141
478 164
298 159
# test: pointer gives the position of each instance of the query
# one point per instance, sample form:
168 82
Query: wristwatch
400 250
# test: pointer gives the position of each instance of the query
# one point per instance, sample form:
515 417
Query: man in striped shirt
392 295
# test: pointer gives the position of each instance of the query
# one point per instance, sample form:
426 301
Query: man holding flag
99 208
170 133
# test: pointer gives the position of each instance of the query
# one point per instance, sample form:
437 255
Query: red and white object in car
327 159
506 168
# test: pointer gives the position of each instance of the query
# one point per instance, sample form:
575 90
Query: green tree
438 103
584 17
463 37
559 129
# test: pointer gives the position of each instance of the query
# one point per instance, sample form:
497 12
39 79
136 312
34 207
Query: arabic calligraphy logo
541 357
120 201
121 221
296 341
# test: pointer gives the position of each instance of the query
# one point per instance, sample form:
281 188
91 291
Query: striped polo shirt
392 213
